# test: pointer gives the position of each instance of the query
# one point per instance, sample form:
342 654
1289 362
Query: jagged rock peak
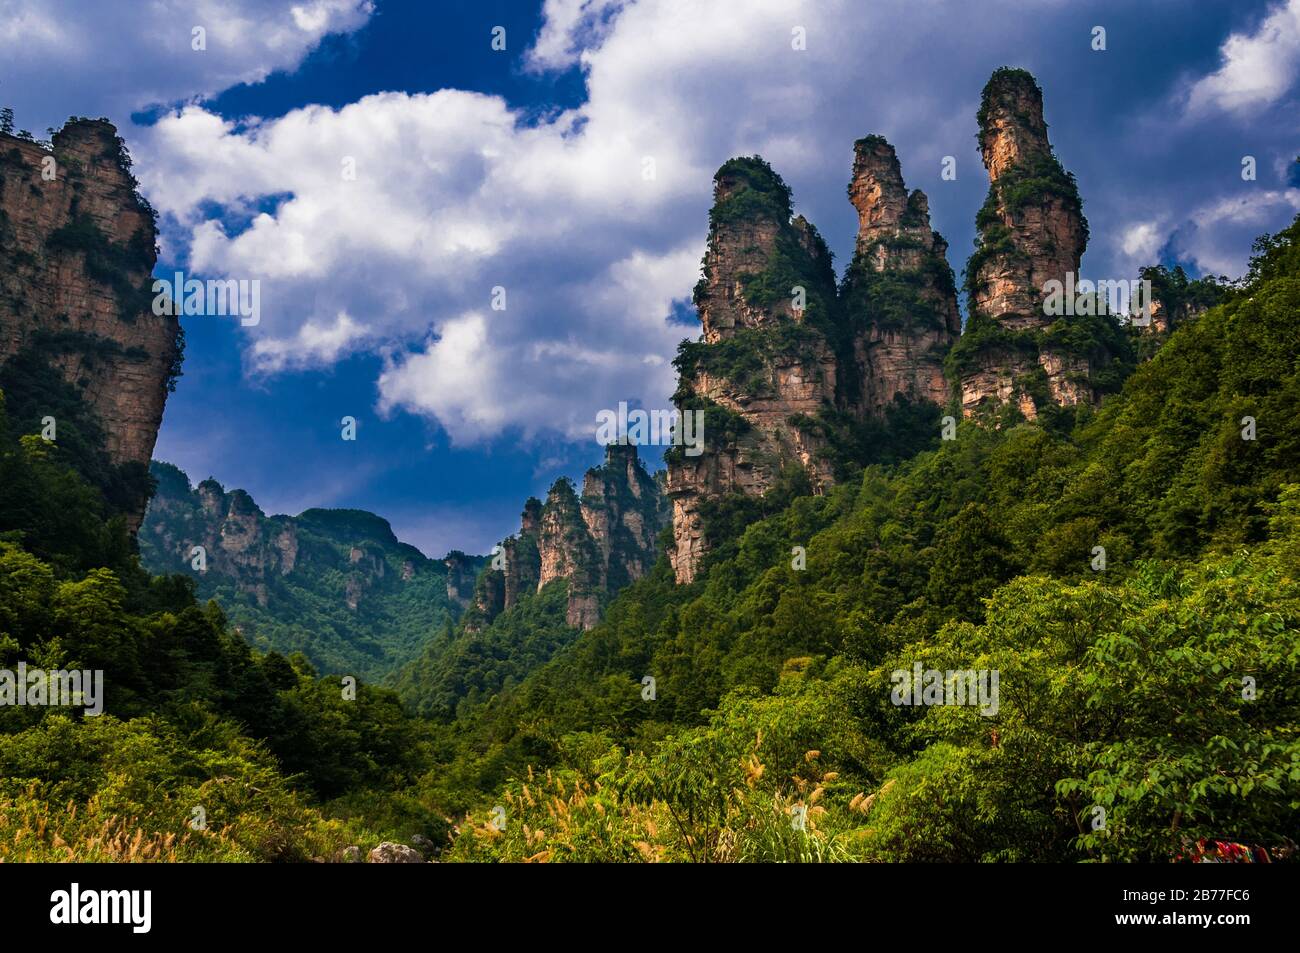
751 180
249 550
1031 227
893 224
885 209
530 521
1031 233
460 577
597 543
899 293
1012 129
756 253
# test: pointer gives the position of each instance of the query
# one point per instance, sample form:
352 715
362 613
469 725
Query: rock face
77 248
461 570
767 364
1027 240
1176 298
1031 232
787 360
566 549
597 543
390 853
899 292
624 510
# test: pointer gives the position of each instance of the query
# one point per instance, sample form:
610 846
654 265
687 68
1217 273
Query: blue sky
524 169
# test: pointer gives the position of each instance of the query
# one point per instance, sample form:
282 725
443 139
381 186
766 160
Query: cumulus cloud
1217 235
386 225
1256 70
593 220
113 57
1141 242
1214 237
569 26
314 343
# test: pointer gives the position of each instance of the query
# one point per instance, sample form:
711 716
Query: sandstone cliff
768 363
77 248
1177 298
461 571
791 369
596 543
1031 231
899 293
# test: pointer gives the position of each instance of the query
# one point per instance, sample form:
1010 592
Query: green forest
1147 700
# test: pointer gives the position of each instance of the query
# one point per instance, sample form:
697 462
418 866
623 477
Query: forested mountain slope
1161 689
336 585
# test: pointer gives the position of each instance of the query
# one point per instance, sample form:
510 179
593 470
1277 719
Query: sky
393 172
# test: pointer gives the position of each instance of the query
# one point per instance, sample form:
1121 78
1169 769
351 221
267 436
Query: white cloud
569 26
1214 236
113 57
315 343
1141 242
1219 233
1257 69
456 193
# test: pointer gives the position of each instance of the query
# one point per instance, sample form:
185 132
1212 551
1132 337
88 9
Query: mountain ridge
335 584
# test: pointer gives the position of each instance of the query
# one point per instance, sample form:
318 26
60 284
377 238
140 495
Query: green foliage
1005 82
1163 690
791 265
745 358
459 671
905 428
102 789
1120 689
193 717
898 300
401 596
33 390
1182 295
758 192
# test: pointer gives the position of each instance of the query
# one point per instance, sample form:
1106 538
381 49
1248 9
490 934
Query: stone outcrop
768 363
1031 232
624 510
249 550
790 371
1177 298
1026 239
391 853
77 249
566 549
461 572
899 292
596 543
787 360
